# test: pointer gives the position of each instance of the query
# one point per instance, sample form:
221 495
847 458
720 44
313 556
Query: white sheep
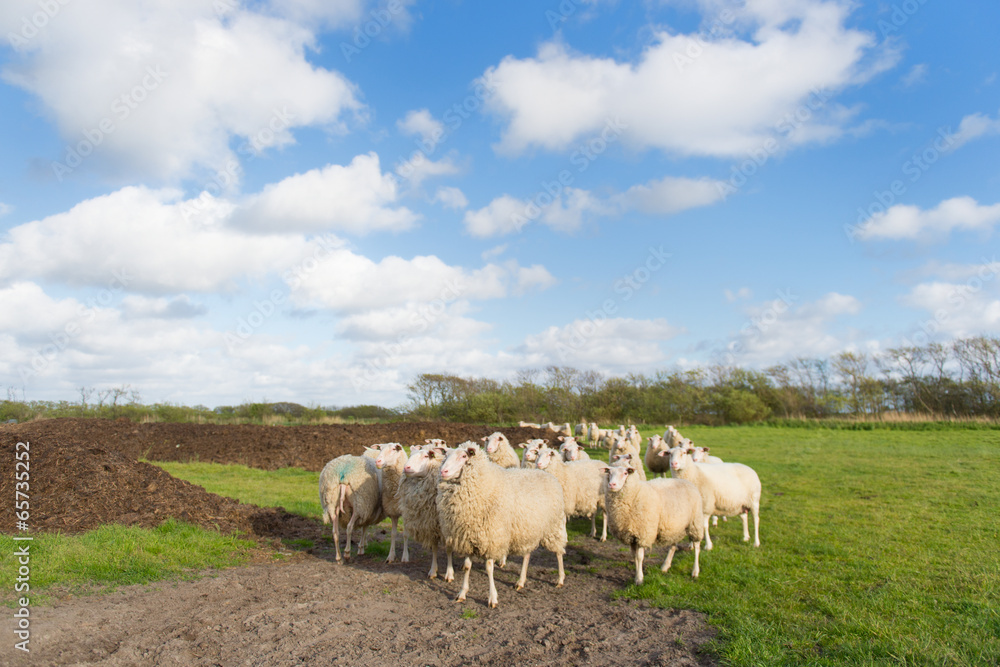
489 511
580 430
350 492
701 455
622 445
727 489
672 437
571 450
391 460
582 483
418 501
629 459
664 511
530 453
498 448
656 463
633 437
524 424
594 434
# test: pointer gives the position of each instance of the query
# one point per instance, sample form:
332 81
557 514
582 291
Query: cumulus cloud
913 223
915 75
421 123
135 306
158 89
958 310
688 94
599 344
670 195
972 127
355 198
450 197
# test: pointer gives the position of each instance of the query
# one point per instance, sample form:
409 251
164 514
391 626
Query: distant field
878 547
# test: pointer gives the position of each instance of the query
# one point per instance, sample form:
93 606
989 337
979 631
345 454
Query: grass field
878 547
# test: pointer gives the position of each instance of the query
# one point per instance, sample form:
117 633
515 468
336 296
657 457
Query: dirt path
311 610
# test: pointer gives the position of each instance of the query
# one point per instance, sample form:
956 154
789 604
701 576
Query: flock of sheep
483 500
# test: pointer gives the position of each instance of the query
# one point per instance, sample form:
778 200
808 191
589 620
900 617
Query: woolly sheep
391 460
524 424
530 453
660 511
571 450
672 437
594 434
351 496
498 448
656 463
622 445
727 489
418 502
701 455
581 483
489 511
629 459
580 430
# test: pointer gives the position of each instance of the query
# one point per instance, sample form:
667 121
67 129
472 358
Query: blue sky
315 201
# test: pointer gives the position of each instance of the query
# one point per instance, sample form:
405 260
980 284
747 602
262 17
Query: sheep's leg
756 523
562 571
449 573
746 530
406 549
715 521
593 524
494 599
392 541
336 536
638 553
434 563
670 558
524 572
503 561
604 531
697 552
350 529
467 567
708 538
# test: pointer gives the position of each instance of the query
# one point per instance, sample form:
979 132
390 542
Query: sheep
580 430
672 437
571 450
391 460
581 483
727 489
622 445
701 455
594 434
489 511
656 463
633 437
629 459
608 439
418 502
660 511
498 448
530 453
524 424
350 492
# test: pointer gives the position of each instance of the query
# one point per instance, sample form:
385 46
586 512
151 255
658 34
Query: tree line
936 381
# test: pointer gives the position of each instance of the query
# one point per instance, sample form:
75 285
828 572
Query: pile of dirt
73 488
264 447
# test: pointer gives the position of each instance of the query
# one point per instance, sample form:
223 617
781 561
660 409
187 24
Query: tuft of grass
469 613
295 489
115 555
877 547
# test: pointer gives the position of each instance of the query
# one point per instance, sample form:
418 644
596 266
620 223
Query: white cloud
503 215
958 310
5 209
612 343
422 123
450 197
910 222
671 195
686 94
142 239
972 127
135 306
419 168
741 293
782 329
355 198
916 75
173 84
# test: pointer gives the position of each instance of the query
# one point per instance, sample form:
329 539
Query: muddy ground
303 608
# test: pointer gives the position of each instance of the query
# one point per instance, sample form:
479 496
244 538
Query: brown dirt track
309 610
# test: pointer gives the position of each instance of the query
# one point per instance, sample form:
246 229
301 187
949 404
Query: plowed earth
309 609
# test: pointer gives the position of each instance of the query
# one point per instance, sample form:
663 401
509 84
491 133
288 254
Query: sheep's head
544 458
456 459
421 459
680 457
617 476
492 442
388 454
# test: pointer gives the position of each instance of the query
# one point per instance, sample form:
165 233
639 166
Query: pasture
878 547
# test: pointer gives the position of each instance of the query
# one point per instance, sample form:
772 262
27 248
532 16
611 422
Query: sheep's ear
689 451
522 445
705 449
482 439
471 451
630 470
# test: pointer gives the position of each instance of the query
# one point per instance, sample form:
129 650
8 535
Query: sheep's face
570 451
700 454
435 442
655 442
456 460
617 476
680 457
493 441
544 458
622 459
388 454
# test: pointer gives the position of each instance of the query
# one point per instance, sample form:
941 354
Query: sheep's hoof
448 580
519 587
559 585
460 599
405 559
493 604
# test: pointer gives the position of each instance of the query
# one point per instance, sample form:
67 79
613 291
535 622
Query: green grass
115 555
295 489
877 548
